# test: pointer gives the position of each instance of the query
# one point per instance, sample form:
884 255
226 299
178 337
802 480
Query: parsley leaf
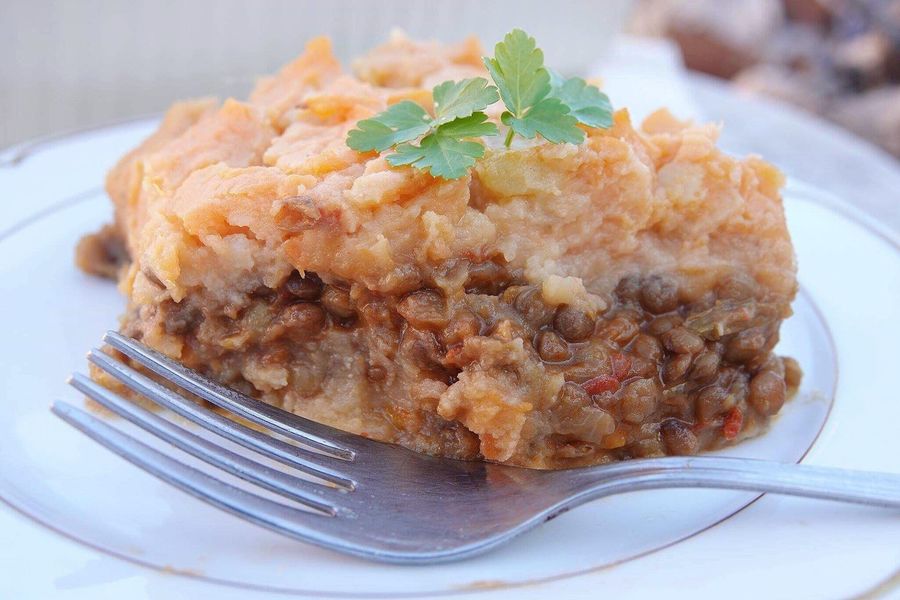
518 70
454 99
441 155
586 102
524 83
405 121
475 125
445 152
401 122
550 118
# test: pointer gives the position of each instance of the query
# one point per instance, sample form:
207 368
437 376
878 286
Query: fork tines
329 455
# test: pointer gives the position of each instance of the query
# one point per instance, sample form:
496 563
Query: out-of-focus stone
838 58
811 12
719 37
782 83
874 115
863 58
889 21
797 46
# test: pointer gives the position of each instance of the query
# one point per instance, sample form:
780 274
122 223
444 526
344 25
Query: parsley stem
509 137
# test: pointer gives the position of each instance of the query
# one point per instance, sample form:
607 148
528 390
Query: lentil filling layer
650 376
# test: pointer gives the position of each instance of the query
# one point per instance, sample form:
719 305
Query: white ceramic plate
844 334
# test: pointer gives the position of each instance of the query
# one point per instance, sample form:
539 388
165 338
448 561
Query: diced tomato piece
621 365
734 420
601 383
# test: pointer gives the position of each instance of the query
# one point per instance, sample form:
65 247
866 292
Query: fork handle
844 485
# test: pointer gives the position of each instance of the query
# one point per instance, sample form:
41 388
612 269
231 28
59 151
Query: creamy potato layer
561 305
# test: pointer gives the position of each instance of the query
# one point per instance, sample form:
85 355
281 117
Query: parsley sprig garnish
444 150
537 102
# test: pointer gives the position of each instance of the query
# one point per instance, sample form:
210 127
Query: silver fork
383 502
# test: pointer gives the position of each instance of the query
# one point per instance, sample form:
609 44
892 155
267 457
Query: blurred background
837 58
73 63
67 65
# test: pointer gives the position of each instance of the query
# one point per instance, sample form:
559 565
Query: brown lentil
487 278
705 366
629 288
678 438
676 368
639 400
298 322
530 304
682 341
586 368
710 403
792 372
424 309
182 318
573 323
767 392
552 347
307 288
464 324
422 348
659 294
641 367
647 346
661 325
337 302
577 416
572 394
620 329
746 344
